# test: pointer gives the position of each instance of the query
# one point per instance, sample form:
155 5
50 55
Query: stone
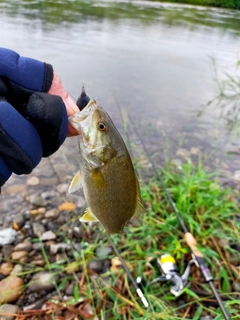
52 214
236 286
194 151
63 187
33 181
61 258
103 252
10 289
70 289
7 236
95 265
38 262
59 247
184 153
41 281
6 268
38 229
37 200
8 311
236 175
37 305
48 235
19 220
206 318
18 255
24 246
7 250
17 270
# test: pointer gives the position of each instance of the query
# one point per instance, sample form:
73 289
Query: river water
154 60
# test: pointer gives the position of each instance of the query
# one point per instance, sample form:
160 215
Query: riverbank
229 4
59 268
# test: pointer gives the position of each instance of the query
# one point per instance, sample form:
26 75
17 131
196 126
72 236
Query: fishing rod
197 256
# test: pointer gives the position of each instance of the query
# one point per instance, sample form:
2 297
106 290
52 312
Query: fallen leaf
67 206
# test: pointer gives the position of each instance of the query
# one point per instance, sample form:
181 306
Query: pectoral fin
76 183
88 216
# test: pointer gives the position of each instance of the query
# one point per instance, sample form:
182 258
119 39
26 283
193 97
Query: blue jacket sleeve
29 73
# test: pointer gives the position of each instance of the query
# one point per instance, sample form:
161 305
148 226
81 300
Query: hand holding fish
34 110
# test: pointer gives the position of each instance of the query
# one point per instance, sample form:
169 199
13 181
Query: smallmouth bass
106 174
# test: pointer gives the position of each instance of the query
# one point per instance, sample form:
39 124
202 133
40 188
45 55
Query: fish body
106 173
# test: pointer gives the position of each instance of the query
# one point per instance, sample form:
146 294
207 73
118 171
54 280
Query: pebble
95 265
37 200
184 153
17 270
7 236
8 311
59 247
33 181
37 305
70 289
103 252
24 246
38 229
10 289
18 255
63 187
206 318
52 214
6 268
7 251
48 235
236 175
38 262
41 281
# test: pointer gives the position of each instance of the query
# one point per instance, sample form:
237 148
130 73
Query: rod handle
192 243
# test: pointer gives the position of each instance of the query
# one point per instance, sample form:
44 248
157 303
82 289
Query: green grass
209 212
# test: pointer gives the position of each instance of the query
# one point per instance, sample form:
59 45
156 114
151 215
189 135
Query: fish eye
102 126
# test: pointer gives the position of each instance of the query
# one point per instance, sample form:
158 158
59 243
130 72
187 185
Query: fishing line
191 241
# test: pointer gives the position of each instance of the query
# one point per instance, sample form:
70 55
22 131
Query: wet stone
24 246
18 255
38 229
7 236
10 289
52 214
37 200
41 281
6 268
8 311
48 235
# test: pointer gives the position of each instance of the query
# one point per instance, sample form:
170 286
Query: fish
106 174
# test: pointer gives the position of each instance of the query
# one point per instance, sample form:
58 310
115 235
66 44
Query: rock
78 200
236 286
67 206
48 235
7 236
59 247
194 151
72 267
61 258
77 233
63 187
7 251
8 311
184 153
19 220
70 289
236 175
38 229
33 181
17 255
16 189
24 246
37 200
17 270
51 214
10 289
95 265
177 163
6 268
206 318
41 281
103 252
37 305
38 262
